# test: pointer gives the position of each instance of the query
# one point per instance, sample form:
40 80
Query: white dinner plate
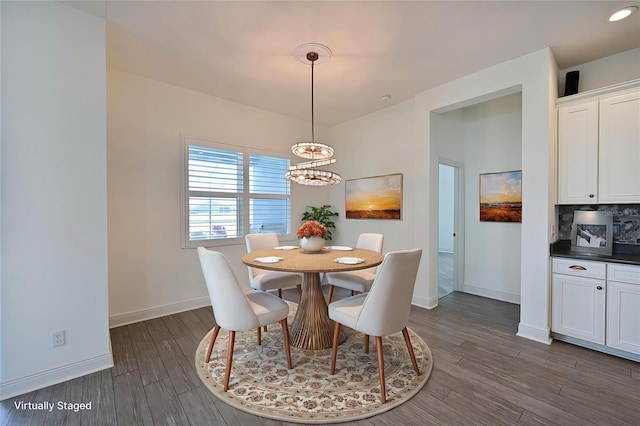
341 248
349 260
268 259
285 248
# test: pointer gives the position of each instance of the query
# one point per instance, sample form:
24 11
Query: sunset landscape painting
377 197
501 197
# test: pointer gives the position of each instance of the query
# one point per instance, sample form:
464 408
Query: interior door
450 207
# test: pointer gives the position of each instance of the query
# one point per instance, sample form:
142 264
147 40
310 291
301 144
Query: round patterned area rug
261 384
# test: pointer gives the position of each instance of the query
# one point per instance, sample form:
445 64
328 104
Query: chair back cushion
372 242
230 305
386 308
255 242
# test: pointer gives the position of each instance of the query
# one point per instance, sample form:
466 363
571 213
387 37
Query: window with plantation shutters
231 191
269 197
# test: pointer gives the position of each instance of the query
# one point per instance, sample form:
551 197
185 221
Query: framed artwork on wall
501 196
375 197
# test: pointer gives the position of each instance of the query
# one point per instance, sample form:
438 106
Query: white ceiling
243 51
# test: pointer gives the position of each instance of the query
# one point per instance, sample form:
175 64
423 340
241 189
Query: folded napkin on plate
268 259
349 260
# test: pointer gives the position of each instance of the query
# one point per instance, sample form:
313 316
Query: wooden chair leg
265 327
259 336
366 343
214 336
334 352
299 292
227 374
330 293
353 292
287 346
407 340
383 392
280 293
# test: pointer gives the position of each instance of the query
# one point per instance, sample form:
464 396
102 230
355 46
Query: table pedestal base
312 328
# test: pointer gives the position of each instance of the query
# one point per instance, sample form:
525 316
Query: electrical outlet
57 338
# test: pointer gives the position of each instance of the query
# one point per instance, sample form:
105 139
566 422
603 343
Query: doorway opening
449 227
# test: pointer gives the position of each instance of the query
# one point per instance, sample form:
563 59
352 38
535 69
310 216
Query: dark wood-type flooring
483 375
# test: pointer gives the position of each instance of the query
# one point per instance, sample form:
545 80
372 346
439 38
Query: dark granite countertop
622 253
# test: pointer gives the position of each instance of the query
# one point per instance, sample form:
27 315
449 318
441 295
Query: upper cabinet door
578 153
620 149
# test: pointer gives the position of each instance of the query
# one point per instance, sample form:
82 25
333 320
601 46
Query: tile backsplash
626 221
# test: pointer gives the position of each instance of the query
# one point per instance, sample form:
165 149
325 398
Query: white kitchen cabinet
619 149
578 153
578 299
623 307
599 146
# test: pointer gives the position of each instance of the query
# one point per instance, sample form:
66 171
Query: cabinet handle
578 267
599 287
591 195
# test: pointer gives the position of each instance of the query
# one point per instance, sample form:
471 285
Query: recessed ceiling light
622 13
386 97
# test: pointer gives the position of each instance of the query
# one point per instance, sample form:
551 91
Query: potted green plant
323 215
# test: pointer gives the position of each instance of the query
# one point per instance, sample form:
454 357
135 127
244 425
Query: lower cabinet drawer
623 273
579 268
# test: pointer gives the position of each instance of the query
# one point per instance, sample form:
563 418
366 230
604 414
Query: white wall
479 138
53 195
1 199
604 72
532 74
447 136
373 145
149 274
492 143
385 134
1 363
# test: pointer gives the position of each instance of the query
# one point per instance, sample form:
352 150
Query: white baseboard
157 311
22 385
492 294
542 335
425 302
596 347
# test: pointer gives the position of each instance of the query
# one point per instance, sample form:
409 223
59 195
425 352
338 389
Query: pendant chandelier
318 154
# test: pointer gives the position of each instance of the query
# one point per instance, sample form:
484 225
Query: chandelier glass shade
319 154
312 150
314 177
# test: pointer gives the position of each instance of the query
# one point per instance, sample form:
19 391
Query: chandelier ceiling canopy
319 154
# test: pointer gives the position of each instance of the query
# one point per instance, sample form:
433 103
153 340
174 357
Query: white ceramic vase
312 244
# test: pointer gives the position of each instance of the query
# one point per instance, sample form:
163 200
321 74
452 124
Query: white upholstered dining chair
362 279
262 279
383 310
236 309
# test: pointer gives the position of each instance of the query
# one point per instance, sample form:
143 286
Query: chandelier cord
313 138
